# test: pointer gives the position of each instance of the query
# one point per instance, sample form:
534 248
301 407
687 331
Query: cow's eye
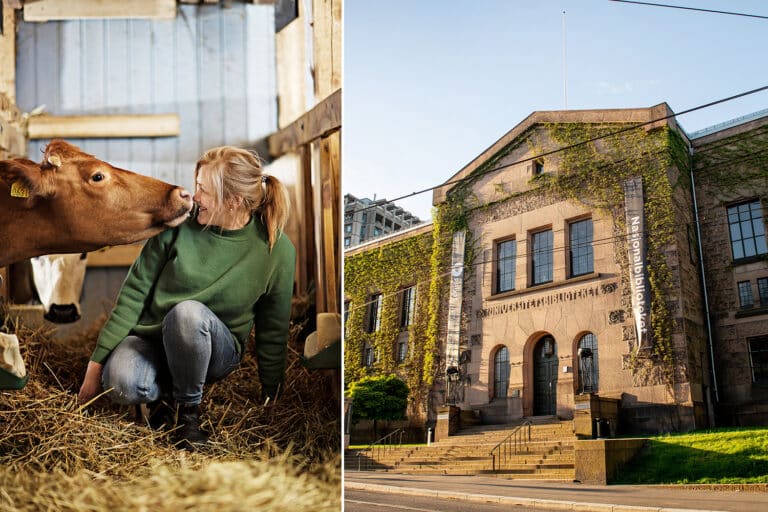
97 177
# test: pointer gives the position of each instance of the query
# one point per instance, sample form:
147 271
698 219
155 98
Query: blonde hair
237 173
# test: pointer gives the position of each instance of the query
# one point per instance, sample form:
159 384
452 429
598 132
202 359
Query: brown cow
73 202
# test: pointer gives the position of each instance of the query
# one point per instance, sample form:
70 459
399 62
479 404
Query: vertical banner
454 301
638 274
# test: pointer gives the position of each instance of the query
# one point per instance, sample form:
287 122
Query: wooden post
330 171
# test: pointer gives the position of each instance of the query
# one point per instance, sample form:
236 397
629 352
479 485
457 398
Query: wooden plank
307 213
124 125
116 256
330 171
318 122
292 70
46 10
326 37
316 218
8 53
211 75
233 88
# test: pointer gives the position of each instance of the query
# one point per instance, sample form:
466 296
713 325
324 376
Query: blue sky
428 84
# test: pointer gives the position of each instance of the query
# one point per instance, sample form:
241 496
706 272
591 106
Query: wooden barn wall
214 66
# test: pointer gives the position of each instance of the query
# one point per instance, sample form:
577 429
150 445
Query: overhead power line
692 9
564 148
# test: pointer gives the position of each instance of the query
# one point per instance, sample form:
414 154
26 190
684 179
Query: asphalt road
369 501
547 495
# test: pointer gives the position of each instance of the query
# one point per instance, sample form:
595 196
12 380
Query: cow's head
91 203
59 283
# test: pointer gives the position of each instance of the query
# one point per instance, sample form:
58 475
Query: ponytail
274 207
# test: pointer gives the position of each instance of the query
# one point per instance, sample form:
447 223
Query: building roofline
729 128
396 236
619 115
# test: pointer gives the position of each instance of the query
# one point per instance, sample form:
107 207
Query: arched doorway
545 368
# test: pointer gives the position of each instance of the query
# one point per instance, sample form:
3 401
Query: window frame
497 270
498 390
549 253
588 247
758 239
373 313
744 292
762 290
590 343
761 379
407 307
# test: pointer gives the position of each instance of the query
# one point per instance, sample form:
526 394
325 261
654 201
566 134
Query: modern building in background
366 219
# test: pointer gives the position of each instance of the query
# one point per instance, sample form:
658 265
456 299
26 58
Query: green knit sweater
232 272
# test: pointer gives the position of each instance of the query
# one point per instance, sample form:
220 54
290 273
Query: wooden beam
326 37
107 126
46 10
116 256
330 158
8 53
323 119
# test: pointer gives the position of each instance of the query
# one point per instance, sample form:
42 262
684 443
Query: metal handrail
379 446
509 445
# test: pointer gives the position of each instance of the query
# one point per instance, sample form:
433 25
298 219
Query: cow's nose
62 314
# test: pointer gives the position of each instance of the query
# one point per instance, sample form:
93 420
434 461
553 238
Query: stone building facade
543 307
732 185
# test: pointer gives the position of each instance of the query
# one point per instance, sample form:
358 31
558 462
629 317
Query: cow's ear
27 179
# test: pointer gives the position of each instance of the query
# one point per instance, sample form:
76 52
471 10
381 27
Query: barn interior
148 86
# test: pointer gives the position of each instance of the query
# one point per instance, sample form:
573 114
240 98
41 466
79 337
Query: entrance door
545 368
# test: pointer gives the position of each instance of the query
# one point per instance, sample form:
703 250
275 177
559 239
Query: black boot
160 415
188 434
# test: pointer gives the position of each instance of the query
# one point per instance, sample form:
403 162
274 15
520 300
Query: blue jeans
197 348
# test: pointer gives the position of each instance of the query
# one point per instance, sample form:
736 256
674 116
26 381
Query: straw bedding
56 456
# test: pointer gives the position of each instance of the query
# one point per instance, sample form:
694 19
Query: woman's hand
91 383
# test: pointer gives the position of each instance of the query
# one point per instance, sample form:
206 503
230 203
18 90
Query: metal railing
378 448
511 445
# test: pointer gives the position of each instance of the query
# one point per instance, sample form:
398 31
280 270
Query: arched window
501 373
588 370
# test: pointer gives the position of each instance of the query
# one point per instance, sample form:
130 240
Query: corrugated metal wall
213 65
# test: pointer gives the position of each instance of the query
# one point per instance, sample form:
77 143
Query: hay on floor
56 456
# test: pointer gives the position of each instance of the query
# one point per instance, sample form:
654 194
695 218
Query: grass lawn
724 456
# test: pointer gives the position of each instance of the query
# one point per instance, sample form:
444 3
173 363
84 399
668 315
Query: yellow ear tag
19 190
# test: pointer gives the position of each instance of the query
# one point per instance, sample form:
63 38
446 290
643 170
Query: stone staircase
548 455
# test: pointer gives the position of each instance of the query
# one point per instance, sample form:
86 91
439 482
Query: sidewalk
565 495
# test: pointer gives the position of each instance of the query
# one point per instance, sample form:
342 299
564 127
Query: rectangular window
364 218
762 290
538 167
347 242
402 351
377 231
347 305
758 360
506 257
368 356
407 307
745 295
747 230
374 313
541 256
347 228
581 253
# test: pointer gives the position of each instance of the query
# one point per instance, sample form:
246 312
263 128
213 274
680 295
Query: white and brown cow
72 202
59 282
